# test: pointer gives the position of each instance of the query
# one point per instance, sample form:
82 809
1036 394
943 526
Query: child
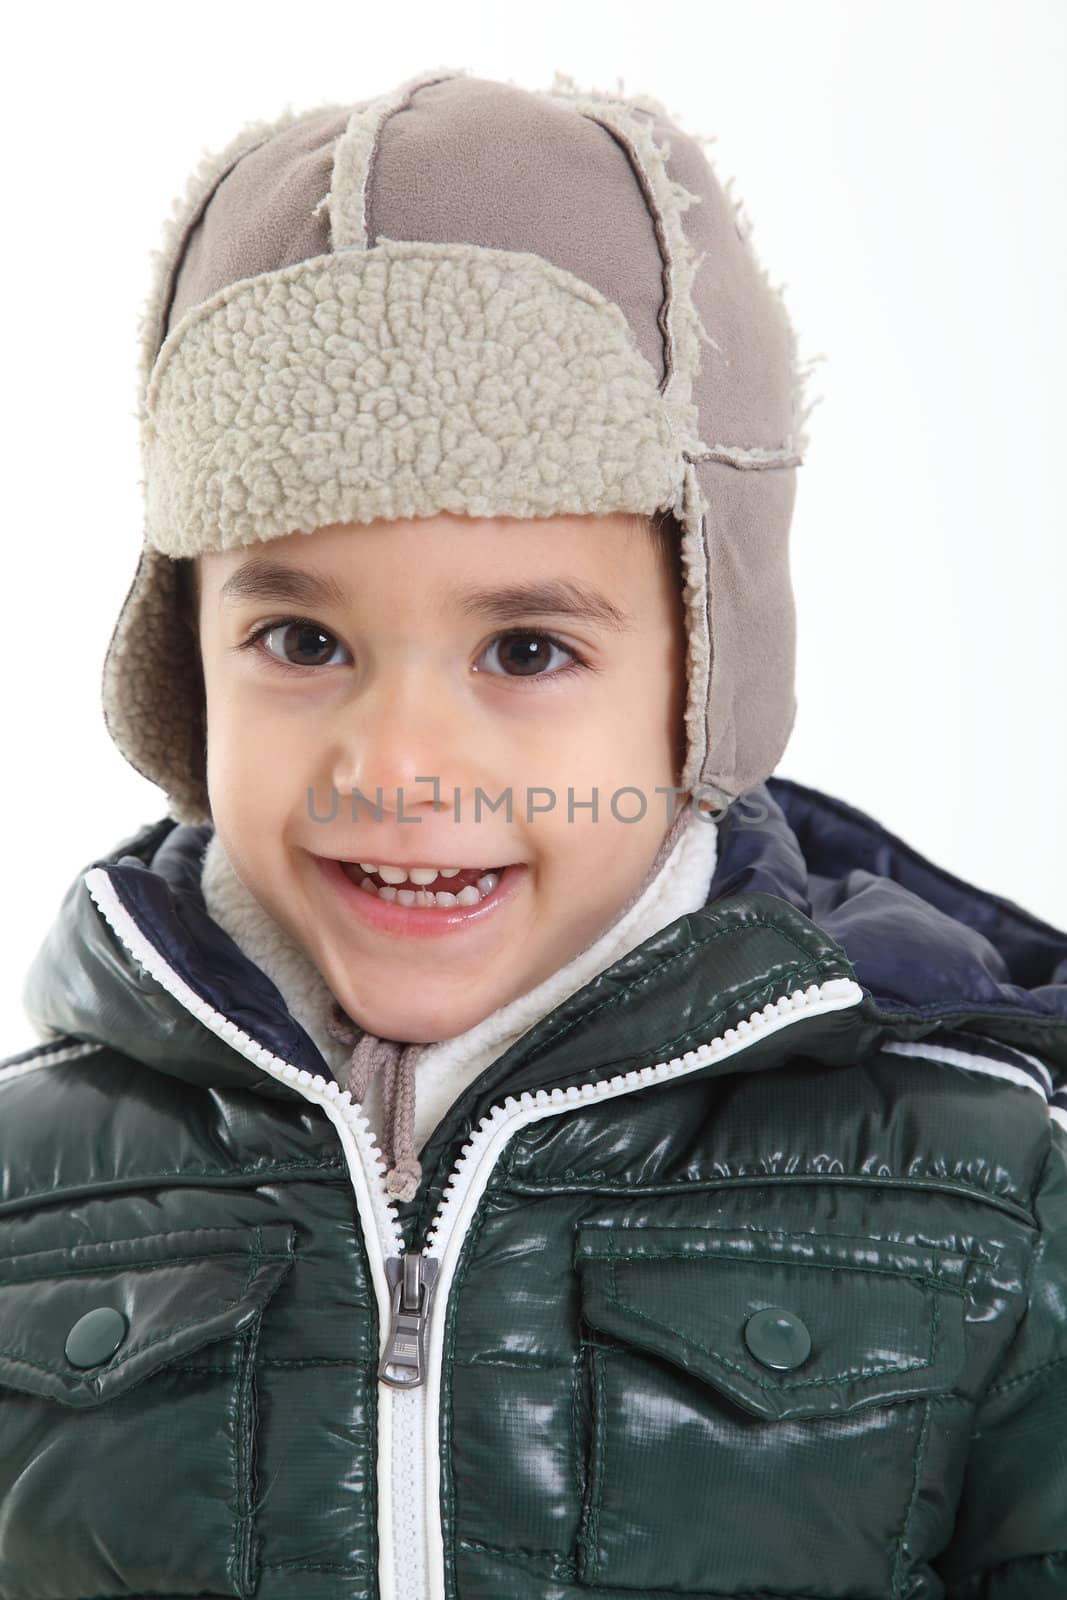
492 1138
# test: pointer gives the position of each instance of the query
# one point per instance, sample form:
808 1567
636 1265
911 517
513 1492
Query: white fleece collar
677 884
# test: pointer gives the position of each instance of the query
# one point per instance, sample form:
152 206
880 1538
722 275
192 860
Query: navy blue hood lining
920 939
158 880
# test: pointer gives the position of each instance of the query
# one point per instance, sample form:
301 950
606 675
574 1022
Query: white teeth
472 895
415 874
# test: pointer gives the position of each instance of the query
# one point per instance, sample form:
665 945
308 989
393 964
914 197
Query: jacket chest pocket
128 1413
756 1407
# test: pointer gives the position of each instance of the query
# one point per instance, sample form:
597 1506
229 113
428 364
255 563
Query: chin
409 1028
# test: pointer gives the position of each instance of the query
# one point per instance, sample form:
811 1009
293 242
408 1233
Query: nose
401 734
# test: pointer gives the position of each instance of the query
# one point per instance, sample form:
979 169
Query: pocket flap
172 1292
866 1321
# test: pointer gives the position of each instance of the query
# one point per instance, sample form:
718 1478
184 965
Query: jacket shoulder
56 1100
964 1115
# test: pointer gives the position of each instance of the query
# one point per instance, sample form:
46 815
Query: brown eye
525 653
304 644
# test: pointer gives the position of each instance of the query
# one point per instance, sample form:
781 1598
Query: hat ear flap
153 686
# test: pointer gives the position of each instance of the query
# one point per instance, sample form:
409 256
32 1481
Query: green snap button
777 1338
95 1337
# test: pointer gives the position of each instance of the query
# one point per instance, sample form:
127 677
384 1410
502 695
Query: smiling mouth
468 887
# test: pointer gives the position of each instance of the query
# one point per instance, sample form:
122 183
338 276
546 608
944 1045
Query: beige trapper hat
466 296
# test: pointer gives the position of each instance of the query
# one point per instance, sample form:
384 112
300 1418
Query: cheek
249 752
247 715
623 743
647 731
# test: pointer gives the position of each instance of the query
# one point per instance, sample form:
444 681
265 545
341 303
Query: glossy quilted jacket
743 1273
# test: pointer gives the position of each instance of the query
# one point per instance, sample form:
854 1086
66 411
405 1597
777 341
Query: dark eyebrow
262 579
562 597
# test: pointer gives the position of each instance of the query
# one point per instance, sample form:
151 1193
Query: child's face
394 683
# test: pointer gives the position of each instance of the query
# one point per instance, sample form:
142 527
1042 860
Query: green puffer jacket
743 1273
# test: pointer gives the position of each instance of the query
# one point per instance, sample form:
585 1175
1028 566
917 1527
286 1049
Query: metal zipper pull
411 1280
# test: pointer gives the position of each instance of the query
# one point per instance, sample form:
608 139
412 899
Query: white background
904 166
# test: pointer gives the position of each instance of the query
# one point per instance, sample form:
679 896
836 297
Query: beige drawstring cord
394 1061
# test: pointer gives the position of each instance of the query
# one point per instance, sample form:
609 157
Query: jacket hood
931 953
921 940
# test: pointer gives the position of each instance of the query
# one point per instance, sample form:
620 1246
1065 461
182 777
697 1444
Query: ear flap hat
470 297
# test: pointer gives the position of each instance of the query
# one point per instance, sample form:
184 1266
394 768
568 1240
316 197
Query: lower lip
420 922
